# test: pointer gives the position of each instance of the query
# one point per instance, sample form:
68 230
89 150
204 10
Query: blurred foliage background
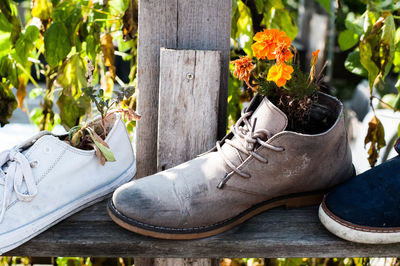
52 43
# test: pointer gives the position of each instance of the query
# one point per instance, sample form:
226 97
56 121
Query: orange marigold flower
280 74
243 68
266 43
282 51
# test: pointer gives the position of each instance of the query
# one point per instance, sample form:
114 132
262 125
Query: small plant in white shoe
92 135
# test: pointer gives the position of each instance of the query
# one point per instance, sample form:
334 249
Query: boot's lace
14 170
247 137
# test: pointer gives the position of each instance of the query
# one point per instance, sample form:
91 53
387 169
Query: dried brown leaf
107 48
130 21
375 136
21 92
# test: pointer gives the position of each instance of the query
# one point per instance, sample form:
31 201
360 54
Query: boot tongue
268 116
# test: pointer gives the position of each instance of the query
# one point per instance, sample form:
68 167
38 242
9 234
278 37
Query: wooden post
188 105
187 116
177 24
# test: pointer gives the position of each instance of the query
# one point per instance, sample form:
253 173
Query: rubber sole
29 231
292 201
356 233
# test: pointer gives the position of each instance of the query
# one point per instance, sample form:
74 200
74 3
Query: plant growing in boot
277 75
287 149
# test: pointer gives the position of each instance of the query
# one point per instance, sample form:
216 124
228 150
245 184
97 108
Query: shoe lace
248 137
17 169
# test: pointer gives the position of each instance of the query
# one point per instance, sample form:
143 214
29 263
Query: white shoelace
248 137
14 170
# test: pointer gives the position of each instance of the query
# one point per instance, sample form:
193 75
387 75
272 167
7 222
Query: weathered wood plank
187 116
276 233
188 105
183 24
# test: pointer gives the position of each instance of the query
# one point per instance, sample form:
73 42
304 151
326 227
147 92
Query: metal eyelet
34 164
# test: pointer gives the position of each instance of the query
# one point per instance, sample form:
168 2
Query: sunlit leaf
42 9
93 41
57 43
354 23
397 36
118 6
70 14
347 39
388 44
282 20
25 44
72 74
368 63
376 137
72 109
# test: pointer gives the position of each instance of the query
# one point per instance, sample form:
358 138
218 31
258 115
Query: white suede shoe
45 180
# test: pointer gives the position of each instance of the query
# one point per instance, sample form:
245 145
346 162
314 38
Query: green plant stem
385 103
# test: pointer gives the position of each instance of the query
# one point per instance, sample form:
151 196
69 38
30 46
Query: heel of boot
304 201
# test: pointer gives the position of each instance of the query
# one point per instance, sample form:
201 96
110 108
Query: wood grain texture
183 24
187 119
188 105
274 234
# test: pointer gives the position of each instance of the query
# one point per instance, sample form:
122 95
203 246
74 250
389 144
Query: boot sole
290 202
357 233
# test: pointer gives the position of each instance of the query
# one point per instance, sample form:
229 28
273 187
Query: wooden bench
275 233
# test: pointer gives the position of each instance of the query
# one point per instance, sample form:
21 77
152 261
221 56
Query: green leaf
5 43
276 4
260 6
42 9
397 37
398 130
8 69
347 39
235 18
101 144
71 75
354 65
8 103
368 63
93 41
354 23
390 99
282 20
70 14
72 108
326 4
388 45
396 103
118 6
57 43
25 44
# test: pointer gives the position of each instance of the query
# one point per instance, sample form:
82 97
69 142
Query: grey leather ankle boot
259 165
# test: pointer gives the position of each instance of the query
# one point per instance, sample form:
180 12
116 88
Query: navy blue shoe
366 209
